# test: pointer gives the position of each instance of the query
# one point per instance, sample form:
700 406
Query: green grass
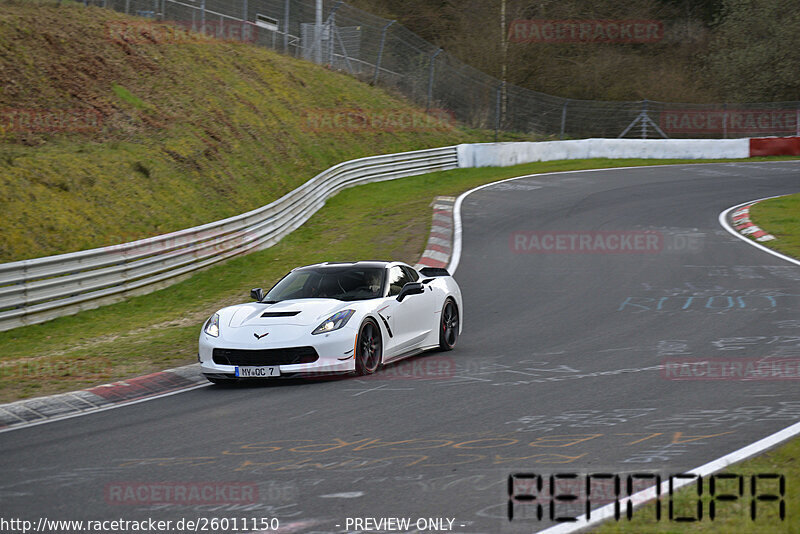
126 96
781 218
387 220
730 516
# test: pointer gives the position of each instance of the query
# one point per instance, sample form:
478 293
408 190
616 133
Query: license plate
258 372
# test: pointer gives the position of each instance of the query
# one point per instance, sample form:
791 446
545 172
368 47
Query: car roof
364 263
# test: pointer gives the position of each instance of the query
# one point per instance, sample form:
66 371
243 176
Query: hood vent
280 314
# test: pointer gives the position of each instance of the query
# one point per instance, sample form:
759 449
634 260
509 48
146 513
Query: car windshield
340 283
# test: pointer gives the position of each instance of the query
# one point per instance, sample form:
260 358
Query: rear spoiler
433 271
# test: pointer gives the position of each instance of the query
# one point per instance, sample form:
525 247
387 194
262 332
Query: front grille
290 356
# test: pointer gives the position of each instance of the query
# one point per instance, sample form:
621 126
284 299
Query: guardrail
37 290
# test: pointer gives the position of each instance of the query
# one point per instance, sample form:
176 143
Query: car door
412 319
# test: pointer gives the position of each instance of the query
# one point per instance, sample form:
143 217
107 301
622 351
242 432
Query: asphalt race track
566 365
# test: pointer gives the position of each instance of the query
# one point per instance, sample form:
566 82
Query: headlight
334 322
212 326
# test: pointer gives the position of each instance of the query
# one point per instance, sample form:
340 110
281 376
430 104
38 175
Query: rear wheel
448 327
369 348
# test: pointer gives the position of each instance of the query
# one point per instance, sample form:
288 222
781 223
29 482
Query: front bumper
335 351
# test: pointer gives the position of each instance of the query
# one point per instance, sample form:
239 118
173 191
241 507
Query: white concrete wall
508 154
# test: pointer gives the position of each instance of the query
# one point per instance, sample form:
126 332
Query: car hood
300 312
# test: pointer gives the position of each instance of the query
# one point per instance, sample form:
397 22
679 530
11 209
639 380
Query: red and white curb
39 410
743 225
440 242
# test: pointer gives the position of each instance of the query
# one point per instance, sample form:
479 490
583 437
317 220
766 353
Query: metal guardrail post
430 79
380 52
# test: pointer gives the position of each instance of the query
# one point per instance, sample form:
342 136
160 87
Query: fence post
243 36
725 120
318 34
203 16
644 119
331 37
797 120
564 119
380 52
497 110
127 6
430 79
286 11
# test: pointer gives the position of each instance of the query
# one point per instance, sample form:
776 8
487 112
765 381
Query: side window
413 276
397 279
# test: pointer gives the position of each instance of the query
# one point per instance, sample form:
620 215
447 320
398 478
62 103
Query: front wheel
448 327
369 348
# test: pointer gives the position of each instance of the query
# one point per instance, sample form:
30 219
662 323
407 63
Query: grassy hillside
108 136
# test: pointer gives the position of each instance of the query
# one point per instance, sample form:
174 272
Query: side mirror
257 294
411 288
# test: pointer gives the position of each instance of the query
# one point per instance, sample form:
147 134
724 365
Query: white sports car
333 318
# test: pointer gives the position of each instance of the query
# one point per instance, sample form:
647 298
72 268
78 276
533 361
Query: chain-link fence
385 53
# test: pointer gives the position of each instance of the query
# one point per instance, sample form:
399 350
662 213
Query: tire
448 326
369 348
